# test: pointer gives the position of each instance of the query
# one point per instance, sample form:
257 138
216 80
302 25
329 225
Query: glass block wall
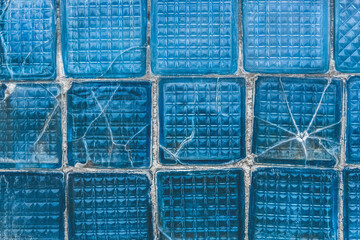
180 119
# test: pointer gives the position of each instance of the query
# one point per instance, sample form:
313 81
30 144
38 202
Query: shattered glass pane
109 206
351 203
286 36
32 205
30 126
102 38
202 120
353 120
297 121
194 36
290 203
201 204
347 32
27 39
109 124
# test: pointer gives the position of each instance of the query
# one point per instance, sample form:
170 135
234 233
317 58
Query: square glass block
27 39
351 204
104 38
347 33
297 121
291 203
109 206
202 120
109 124
286 36
30 126
353 120
32 205
194 36
201 204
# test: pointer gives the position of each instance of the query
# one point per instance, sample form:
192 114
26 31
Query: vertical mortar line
331 48
240 35
148 36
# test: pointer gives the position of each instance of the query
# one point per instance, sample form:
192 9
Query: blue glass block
353 120
351 199
347 32
104 39
202 120
194 36
30 126
32 205
293 203
286 36
297 121
109 124
109 206
201 204
27 39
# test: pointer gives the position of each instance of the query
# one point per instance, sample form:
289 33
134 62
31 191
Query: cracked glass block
32 205
293 203
201 204
109 206
351 203
353 120
103 38
109 124
27 39
286 36
202 120
30 126
347 32
194 36
297 121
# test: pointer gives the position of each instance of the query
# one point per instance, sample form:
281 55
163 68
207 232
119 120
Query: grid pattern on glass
351 203
353 120
297 121
201 204
109 206
28 39
286 36
109 124
194 36
202 120
104 38
293 204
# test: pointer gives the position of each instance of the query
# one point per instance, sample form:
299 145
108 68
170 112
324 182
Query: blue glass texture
297 121
103 38
32 205
201 204
109 124
286 36
202 120
27 39
30 126
351 199
109 206
194 36
353 120
347 31
290 203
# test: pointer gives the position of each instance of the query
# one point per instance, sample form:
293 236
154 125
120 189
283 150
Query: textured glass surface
202 120
347 31
353 120
201 204
289 203
109 206
104 38
30 126
286 36
31 205
109 124
351 204
194 36
297 121
27 39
